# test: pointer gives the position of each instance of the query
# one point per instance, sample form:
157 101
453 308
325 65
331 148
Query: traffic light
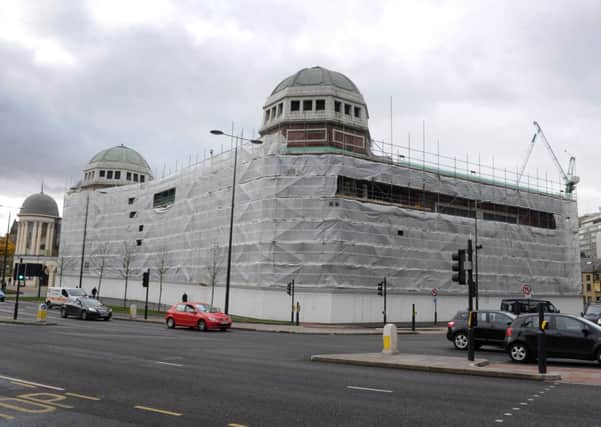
289 288
20 272
381 288
459 266
145 279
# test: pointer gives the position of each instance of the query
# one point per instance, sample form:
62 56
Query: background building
591 280
37 239
323 204
589 233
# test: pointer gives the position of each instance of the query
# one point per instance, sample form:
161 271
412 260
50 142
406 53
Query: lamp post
229 249
83 243
5 249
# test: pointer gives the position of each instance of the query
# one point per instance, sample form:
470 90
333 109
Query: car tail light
508 332
451 324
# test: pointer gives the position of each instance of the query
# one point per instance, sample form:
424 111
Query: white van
59 296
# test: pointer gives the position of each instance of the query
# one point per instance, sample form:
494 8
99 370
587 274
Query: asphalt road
114 373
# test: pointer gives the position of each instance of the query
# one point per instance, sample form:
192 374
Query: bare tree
162 263
213 268
100 254
64 263
127 253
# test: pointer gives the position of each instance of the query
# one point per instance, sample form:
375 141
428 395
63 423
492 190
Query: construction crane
569 179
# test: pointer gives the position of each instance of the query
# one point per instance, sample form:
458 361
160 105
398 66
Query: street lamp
5 248
229 249
83 243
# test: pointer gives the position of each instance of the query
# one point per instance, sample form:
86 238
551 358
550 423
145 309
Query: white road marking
379 390
498 421
32 383
507 414
179 365
515 409
82 396
523 404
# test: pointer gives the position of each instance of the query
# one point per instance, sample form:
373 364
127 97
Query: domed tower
118 165
37 238
315 108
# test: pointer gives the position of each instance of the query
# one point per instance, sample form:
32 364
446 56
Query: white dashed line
498 421
523 404
379 390
515 409
507 414
179 365
32 383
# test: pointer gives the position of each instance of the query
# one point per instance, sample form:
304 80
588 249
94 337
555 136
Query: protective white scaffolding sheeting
290 223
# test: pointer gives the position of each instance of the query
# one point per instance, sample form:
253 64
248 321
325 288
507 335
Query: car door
483 329
498 324
190 313
570 339
180 314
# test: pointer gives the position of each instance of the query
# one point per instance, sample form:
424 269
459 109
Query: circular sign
434 292
526 290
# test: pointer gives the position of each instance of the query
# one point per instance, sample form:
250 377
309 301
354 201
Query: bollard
413 313
132 311
42 313
390 339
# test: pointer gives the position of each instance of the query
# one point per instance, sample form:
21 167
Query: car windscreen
77 293
91 302
593 309
590 324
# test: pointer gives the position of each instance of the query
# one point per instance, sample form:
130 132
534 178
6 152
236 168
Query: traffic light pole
472 317
292 302
16 313
146 284
385 292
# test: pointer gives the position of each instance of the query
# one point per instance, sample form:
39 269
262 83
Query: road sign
526 290
434 292
434 300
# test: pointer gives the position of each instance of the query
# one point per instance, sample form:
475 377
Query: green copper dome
121 154
317 76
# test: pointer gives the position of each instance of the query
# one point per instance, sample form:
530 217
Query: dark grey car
86 308
593 313
490 329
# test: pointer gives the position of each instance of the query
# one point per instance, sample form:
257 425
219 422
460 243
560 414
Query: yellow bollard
42 313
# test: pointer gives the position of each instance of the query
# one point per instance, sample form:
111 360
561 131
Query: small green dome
39 204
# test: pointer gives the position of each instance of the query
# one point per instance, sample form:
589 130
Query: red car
197 315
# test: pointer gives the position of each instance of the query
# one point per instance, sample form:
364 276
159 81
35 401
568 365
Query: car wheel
202 326
460 341
63 313
518 352
170 323
48 305
84 315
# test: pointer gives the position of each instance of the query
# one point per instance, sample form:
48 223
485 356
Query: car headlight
599 322
212 318
93 310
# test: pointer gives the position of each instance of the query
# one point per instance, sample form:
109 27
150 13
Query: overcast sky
78 76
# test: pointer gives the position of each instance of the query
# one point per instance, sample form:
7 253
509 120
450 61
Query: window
135 177
266 116
128 176
568 324
109 175
320 104
133 214
180 307
307 105
280 108
588 277
337 106
588 287
164 198
117 174
139 242
141 228
294 105
273 113
347 109
357 112
142 178
101 174
131 200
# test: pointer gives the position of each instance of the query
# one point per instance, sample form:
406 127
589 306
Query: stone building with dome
322 203
37 241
